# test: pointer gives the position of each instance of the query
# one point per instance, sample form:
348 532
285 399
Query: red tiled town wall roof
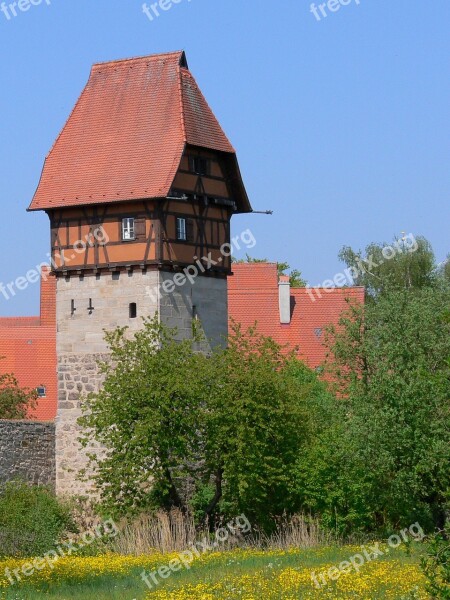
253 296
28 348
29 343
125 138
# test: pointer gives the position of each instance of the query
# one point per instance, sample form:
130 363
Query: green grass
225 566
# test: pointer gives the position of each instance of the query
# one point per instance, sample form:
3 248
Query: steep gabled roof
125 138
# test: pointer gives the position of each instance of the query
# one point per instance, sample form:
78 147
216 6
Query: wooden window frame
195 164
181 229
184 234
125 226
138 229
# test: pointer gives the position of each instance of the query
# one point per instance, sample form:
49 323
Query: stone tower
140 187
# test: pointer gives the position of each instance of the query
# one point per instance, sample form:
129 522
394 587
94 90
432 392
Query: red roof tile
127 133
201 127
253 296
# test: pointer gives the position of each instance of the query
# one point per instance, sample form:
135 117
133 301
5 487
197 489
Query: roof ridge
259 263
341 287
181 100
137 58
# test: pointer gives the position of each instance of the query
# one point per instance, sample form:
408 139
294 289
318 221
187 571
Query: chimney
284 294
48 297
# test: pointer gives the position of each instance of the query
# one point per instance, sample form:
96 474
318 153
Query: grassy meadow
247 574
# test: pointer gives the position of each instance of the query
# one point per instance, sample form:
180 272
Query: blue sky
341 125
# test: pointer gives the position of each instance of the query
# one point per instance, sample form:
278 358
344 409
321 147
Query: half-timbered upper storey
142 173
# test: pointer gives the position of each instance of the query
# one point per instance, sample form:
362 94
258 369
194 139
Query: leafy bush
31 520
15 402
436 564
230 424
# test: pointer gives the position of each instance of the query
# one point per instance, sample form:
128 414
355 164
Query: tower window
128 229
133 310
199 165
185 230
41 391
181 230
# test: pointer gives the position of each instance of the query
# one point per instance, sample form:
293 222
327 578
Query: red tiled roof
253 296
127 133
28 348
201 127
13 322
29 343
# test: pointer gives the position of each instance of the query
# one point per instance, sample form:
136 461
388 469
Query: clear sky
341 124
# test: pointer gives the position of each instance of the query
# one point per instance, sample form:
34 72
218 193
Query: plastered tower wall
206 299
102 302
80 344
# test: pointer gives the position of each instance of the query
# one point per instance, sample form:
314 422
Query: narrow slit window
133 310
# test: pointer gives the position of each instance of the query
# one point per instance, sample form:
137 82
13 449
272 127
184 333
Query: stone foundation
78 375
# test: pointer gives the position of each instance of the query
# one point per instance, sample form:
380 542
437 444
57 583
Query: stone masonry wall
27 451
80 345
78 375
80 341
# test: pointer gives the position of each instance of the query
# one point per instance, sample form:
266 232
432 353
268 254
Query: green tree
436 564
380 459
383 461
15 402
257 422
445 269
147 418
405 263
217 433
32 520
295 276
249 260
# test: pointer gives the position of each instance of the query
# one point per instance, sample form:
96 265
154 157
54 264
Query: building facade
140 188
